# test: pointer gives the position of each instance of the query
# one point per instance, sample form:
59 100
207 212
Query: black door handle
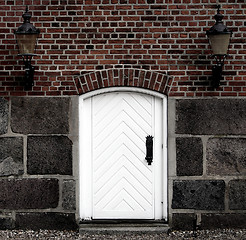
149 149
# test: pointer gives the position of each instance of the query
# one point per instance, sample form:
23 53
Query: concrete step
123 227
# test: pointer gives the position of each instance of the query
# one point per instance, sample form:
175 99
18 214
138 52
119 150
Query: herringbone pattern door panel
122 179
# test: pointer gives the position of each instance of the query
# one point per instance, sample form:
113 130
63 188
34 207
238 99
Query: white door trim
85 181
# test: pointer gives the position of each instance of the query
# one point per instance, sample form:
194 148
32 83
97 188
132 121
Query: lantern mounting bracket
217 70
29 70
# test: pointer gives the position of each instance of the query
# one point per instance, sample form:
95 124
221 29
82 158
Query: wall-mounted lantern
26 37
219 40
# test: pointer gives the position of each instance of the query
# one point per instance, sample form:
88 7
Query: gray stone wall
37 177
39 171
207 172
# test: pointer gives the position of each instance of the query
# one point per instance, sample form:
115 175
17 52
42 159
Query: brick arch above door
146 79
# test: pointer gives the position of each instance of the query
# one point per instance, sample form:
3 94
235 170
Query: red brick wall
81 36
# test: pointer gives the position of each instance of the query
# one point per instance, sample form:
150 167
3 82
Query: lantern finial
218 10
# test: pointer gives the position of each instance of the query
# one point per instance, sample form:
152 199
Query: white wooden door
123 185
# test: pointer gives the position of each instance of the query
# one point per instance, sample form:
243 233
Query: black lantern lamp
219 40
26 37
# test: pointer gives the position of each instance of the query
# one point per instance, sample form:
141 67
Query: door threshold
114 226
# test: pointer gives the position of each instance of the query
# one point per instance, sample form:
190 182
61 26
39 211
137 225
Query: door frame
85 177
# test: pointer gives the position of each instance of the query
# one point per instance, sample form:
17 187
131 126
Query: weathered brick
29 193
4 113
46 220
198 194
189 156
226 156
222 220
40 115
211 116
69 195
237 194
11 156
172 32
49 155
183 221
6 223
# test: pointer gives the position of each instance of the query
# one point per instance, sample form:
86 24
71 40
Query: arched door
119 182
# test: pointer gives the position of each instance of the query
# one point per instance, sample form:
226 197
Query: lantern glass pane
26 43
219 43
